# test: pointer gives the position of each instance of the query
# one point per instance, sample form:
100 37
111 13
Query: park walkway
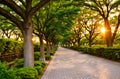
69 64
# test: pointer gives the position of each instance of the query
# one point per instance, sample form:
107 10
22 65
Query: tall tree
24 9
52 26
104 8
89 22
78 32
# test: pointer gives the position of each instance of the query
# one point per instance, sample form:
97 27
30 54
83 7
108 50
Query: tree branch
28 5
22 2
116 28
14 7
10 17
38 6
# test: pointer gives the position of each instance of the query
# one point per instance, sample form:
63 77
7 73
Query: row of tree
94 16
49 20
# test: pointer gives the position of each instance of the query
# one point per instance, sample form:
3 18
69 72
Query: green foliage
19 63
39 65
6 73
10 46
47 57
112 53
52 52
36 47
27 73
37 55
39 69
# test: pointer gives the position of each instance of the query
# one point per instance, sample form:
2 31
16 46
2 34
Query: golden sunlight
103 30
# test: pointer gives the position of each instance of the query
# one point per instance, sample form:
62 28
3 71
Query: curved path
69 64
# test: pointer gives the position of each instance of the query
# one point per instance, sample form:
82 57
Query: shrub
47 57
6 73
19 63
36 47
37 55
39 69
39 63
10 46
112 53
52 52
27 73
10 49
116 55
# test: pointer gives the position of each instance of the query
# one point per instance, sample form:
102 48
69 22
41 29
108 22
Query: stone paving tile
69 64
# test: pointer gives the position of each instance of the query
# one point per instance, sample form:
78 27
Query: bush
10 49
37 55
27 73
39 69
10 46
112 53
36 47
39 63
52 52
116 55
19 63
6 73
47 57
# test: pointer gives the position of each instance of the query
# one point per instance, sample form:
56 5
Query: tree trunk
108 33
116 29
79 40
42 58
28 45
90 43
53 46
48 47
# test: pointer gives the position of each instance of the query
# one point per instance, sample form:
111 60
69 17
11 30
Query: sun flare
103 30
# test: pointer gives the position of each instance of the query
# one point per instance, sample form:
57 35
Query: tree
90 23
104 8
20 12
52 26
77 32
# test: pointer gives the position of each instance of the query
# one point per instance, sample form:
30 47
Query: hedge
7 73
112 53
27 73
10 46
10 49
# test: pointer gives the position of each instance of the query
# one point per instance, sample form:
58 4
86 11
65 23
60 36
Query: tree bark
42 58
48 47
116 29
28 45
24 23
90 43
108 33
79 40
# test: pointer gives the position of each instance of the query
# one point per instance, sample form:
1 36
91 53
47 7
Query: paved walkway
69 64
